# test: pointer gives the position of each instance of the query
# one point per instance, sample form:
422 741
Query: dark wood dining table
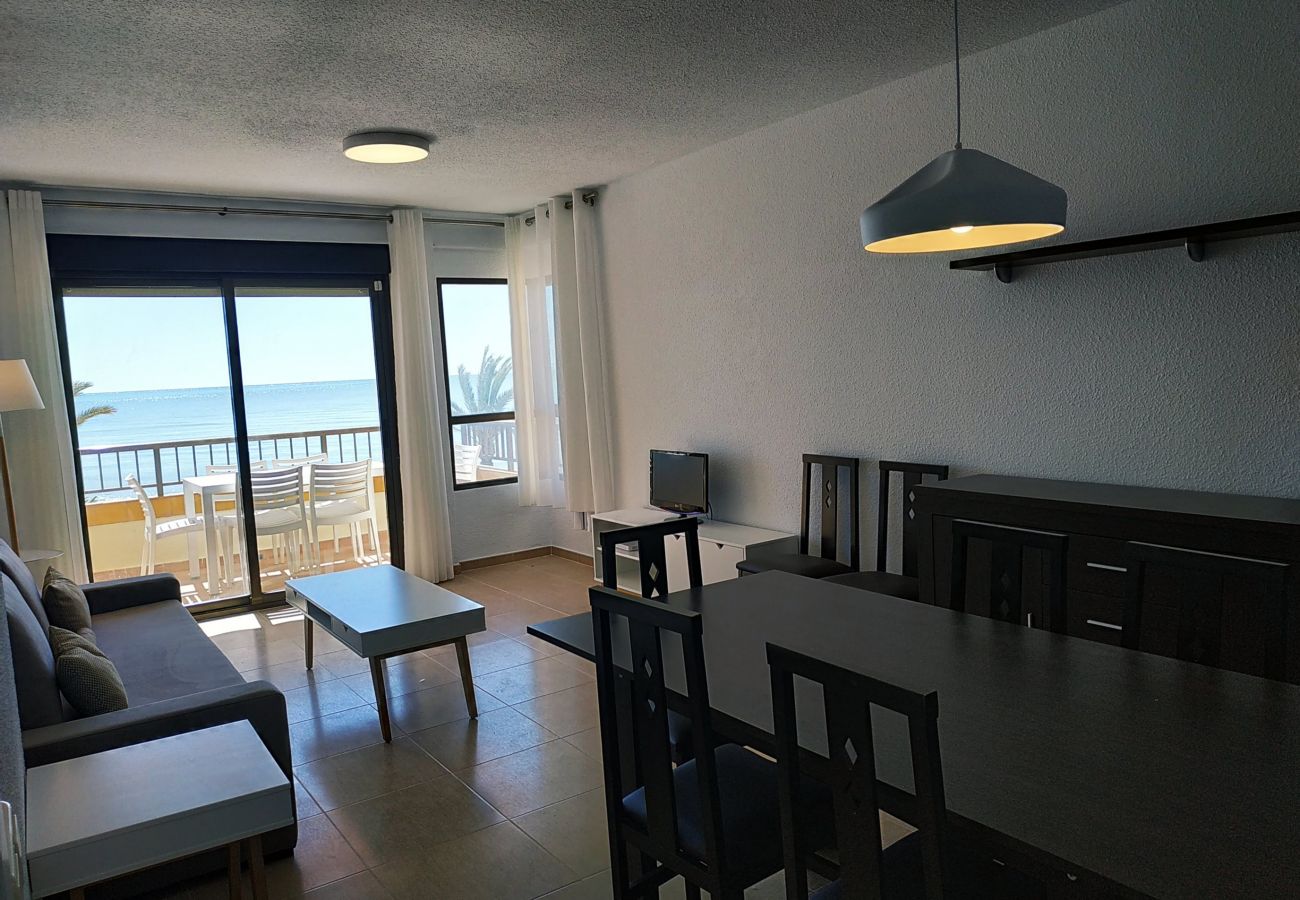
1106 771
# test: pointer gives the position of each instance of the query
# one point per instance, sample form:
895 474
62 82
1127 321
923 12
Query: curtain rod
588 197
254 211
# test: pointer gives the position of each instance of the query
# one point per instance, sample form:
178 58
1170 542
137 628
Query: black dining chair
715 820
905 584
1003 593
916 866
652 565
837 553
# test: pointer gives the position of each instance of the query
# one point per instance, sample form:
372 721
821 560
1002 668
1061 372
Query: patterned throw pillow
65 604
86 677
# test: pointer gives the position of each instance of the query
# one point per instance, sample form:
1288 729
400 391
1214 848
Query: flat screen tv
679 482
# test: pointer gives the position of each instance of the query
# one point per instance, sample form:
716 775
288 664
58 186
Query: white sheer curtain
46 502
565 458
421 429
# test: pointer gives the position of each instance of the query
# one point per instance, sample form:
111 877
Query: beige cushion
66 605
86 677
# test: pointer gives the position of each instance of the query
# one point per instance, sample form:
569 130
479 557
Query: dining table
1099 770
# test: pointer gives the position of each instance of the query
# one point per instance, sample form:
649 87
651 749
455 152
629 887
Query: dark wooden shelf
1193 237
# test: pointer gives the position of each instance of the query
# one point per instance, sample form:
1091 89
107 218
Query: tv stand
722 545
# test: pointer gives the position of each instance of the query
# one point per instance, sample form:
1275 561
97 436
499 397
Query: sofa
176 678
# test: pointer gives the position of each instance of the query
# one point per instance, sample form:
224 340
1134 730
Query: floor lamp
17 391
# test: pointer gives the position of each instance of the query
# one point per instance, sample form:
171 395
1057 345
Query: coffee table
380 612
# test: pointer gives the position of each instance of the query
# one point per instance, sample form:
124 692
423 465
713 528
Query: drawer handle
1108 625
1093 565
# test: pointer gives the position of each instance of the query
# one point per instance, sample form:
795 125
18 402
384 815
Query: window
475 315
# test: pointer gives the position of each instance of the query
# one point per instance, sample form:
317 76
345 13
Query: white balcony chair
344 494
300 461
467 460
279 509
156 529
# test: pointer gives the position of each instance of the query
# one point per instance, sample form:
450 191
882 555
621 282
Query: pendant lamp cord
956 54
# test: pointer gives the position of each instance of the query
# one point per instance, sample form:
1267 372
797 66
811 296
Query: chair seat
795 564
679 737
751 817
178 526
904 873
882 583
266 519
339 509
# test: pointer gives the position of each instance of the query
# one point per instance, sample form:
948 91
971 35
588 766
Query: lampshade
386 146
963 199
17 390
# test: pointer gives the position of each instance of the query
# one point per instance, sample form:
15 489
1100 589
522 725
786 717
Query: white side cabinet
722 545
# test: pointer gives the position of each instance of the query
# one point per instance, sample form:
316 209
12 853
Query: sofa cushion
11 564
39 702
86 677
161 652
65 605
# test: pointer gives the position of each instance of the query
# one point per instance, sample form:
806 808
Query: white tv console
722 545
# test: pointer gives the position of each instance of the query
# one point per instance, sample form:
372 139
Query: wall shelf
1194 238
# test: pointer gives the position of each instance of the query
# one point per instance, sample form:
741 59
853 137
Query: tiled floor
508 807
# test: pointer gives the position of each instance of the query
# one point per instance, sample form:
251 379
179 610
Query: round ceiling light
386 146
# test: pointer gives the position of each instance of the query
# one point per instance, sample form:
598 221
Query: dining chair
652 566
904 584
1002 593
344 494
466 462
715 820
916 866
279 509
156 529
837 553
299 461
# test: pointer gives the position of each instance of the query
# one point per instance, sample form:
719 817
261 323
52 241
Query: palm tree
485 392
90 412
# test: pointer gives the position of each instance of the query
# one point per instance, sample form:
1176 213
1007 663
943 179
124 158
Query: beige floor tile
495 600
516 624
304 802
289 676
413 819
587 741
496 863
342 663
362 886
586 667
404 675
262 654
565 712
436 705
489 657
321 699
369 772
543 648
593 887
582 573
534 679
337 733
533 778
468 742
322 856
573 831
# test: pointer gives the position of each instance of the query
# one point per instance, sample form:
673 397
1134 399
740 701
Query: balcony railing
161 466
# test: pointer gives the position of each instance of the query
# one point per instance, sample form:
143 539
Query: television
679 482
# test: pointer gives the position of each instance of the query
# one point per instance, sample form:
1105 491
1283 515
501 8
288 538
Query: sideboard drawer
1097 565
1097 617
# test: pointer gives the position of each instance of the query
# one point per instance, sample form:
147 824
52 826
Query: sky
126 343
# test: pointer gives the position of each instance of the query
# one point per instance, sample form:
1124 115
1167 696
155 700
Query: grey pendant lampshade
963 199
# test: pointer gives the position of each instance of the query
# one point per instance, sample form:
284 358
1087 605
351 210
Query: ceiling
526 98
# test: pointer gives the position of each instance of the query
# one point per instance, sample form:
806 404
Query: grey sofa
176 680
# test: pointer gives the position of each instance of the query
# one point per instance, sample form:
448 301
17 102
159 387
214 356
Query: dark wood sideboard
1218 575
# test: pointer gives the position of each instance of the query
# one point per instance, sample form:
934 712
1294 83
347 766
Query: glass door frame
376 288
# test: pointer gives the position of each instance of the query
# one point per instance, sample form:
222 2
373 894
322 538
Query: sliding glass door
233 432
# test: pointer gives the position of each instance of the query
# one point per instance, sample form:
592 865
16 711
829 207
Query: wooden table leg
466 676
234 871
381 696
307 635
257 864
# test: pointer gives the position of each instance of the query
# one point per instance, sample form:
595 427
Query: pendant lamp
963 199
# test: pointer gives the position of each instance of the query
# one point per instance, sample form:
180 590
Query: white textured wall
745 320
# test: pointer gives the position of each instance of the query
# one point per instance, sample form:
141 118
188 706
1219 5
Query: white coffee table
96 817
379 612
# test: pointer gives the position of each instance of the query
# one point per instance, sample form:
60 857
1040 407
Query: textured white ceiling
526 98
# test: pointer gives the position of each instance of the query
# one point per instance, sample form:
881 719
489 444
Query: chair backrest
146 506
847 698
1006 582
277 489
343 481
255 465
824 493
635 745
467 460
299 461
913 474
1175 607
652 554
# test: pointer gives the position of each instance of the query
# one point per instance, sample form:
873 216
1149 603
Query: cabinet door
1222 611
718 561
